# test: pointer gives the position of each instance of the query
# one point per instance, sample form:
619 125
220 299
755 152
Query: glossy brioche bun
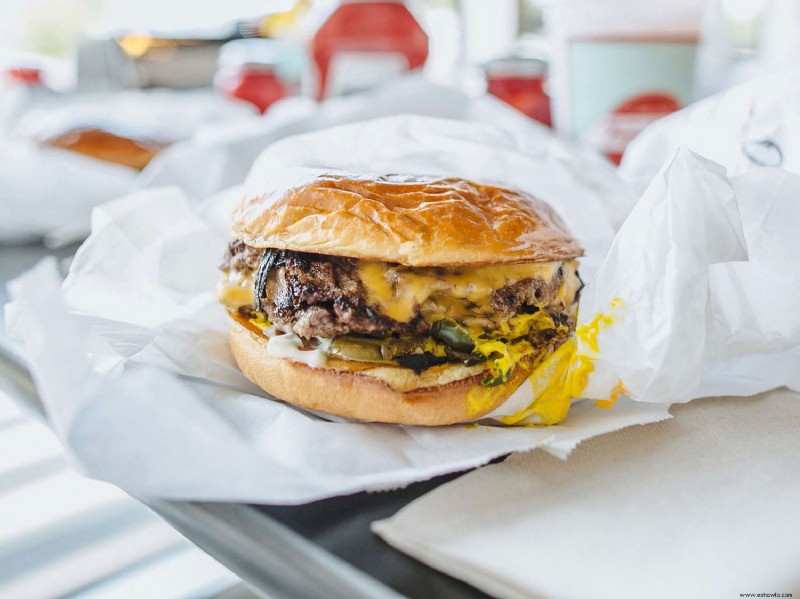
352 393
410 220
107 146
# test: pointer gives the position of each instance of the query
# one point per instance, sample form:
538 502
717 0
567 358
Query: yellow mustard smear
481 398
587 333
559 378
260 321
552 388
618 390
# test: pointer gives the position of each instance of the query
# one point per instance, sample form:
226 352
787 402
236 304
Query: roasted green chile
412 352
361 349
453 335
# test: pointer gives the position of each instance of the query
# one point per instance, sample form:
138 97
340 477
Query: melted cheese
235 290
397 291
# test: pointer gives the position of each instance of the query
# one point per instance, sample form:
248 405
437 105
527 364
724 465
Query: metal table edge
240 537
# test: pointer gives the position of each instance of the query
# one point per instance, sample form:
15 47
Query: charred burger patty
413 317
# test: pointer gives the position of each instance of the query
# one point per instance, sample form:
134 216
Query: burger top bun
411 220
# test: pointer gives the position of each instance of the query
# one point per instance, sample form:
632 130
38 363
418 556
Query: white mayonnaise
290 346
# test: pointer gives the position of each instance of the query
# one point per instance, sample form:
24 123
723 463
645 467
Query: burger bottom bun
352 393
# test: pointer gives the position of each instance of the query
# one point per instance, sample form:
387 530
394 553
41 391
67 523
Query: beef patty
322 296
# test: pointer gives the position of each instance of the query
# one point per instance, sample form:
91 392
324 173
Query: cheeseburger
400 299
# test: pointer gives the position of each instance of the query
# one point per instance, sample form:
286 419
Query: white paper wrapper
138 379
160 114
752 125
706 270
49 192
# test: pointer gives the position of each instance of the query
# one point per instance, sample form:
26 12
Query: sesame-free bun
360 391
107 146
411 220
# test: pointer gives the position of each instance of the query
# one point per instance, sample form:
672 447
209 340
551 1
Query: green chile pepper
408 351
452 334
361 349
392 348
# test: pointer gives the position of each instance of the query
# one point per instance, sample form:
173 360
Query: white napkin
703 505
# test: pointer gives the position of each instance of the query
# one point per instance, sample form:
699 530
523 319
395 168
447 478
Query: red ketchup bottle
258 84
28 76
364 43
520 82
250 69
